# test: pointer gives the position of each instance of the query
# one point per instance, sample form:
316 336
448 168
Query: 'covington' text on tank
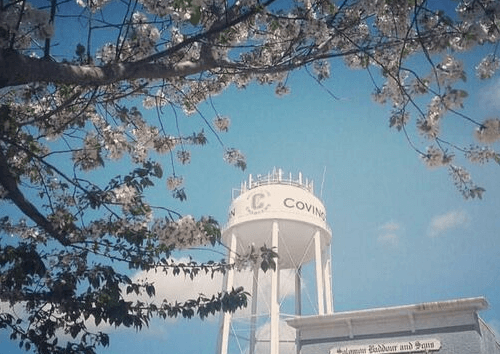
260 203
300 205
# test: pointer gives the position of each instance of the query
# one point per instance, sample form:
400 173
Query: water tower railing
275 177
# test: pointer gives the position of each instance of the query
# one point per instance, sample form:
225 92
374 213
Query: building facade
446 327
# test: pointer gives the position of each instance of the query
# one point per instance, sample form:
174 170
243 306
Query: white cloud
286 289
181 288
167 286
451 220
286 336
389 233
388 238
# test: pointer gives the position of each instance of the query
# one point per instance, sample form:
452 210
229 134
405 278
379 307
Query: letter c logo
256 201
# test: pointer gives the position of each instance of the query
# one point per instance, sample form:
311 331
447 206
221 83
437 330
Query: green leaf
74 330
157 171
195 16
497 158
104 340
150 290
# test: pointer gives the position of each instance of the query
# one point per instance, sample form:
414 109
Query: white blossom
482 154
454 98
88 157
321 69
182 233
420 86
489 131
399 119
450 70
184 156
282 89
487 67
158 100
93 5
235 157
429 128
222 123
174 182
115 141
124 194
107 53
163 144
436 157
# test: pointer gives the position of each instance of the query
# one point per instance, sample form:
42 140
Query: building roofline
466 304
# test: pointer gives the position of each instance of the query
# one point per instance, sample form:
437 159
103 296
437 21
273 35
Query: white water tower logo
258 202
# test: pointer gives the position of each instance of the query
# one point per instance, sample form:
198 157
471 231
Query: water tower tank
292 204
281 213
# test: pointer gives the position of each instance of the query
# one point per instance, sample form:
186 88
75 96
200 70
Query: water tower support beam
319 273
228 285
275 307
255 290
327 269
298 294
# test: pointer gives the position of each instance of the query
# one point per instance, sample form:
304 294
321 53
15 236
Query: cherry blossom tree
65 114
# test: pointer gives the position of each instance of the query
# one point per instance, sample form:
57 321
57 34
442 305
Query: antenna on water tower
285 214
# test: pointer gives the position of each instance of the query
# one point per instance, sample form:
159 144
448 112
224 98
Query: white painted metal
298 212
275 305
298 293
319 274
328 281
253 320
226 318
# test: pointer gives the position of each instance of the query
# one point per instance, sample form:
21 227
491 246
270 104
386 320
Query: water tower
283 213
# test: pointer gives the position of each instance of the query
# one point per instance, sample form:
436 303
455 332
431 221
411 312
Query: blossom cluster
436 157
174 182
489 131
488 66
180 234
482 154
24 22
88 157
222 123
140 42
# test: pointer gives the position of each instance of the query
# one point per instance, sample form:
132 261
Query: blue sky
402 233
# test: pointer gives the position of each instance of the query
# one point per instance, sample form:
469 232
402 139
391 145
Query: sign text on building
414 346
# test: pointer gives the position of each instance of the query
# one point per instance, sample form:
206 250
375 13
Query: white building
446 327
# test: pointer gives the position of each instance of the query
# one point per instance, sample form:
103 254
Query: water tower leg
319 273
228 285
275 310
298 294
298 304
253 319
328 281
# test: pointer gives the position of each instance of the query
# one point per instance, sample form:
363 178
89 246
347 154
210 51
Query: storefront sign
414 346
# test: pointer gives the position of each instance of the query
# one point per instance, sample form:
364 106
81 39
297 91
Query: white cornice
388 319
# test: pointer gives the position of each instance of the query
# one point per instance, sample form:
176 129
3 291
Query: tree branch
9 183
19 69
